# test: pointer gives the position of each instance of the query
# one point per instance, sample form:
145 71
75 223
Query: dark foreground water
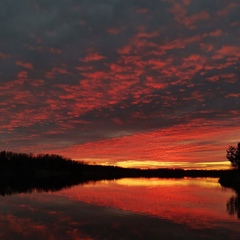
124 209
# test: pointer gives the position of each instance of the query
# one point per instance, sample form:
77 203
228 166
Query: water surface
124 209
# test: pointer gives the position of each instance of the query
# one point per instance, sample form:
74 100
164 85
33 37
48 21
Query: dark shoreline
97 172
55 181
231 180
21 172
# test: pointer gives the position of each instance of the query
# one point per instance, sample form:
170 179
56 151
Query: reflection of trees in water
231 180
15 185
233 205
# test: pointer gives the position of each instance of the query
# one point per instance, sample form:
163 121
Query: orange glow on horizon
222 165
176 147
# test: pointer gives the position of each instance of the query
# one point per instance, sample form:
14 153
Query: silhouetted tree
233 155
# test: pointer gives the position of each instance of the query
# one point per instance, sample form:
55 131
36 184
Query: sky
137 83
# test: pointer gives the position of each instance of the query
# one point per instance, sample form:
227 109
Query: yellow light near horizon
153 164
220 165
149 164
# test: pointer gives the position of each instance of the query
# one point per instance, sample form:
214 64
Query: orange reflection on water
197 202
208 182
122 209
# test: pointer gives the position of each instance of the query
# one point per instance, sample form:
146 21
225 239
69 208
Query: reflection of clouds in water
177 200
108 210
60 220
76 220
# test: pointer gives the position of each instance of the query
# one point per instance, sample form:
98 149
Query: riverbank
25 172
231 179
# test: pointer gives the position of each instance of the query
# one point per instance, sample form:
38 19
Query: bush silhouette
233 155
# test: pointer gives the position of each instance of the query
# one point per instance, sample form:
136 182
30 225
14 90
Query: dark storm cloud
77 71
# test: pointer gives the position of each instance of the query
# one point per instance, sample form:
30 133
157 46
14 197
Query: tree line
13 164
51 165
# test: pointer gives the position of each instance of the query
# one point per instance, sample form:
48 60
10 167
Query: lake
124 209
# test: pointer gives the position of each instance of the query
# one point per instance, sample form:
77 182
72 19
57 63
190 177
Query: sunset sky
137 83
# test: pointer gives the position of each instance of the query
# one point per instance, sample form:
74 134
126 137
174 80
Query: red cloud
195 62
180 13
156 64
22 75
117 121
206 47
115 31
154 83
24 64
191 21
56 70
125 49
234 95
227 51
92 56
227 9
37 83
231 77
216 33
213 78
147 35
56 51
